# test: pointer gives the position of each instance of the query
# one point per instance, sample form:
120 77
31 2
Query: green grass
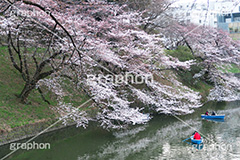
229 68
183 53
202 85
15 114
199 85
73 95
12 112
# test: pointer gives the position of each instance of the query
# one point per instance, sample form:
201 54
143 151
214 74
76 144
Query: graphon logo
218 147
28 13
128 78
29 146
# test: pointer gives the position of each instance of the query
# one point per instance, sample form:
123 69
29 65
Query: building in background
229 22
218 14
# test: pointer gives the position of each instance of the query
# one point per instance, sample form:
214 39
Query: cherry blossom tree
112 42
106 38
216 48
25 34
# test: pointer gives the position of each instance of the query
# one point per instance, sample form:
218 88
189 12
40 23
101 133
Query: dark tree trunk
26 91
51 57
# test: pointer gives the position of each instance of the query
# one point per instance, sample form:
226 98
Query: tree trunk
26 91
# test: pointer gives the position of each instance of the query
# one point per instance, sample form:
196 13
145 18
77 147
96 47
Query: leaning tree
38 44
99 38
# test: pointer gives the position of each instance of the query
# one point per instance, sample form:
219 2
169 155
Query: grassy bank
229 68
14 114
201 85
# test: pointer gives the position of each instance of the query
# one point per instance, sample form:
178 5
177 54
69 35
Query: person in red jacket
197 136
206 113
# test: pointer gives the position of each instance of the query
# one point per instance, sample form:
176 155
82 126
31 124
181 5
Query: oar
186 139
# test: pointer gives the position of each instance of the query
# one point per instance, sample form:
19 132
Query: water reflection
214 120
159 139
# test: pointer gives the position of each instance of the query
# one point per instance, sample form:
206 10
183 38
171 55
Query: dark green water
161 138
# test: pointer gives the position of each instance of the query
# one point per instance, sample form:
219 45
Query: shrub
183 53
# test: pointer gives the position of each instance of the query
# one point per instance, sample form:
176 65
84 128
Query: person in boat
196 136
206 113
213 113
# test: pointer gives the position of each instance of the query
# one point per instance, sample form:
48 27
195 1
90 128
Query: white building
202 13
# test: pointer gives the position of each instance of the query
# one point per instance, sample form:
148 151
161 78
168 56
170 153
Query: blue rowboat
213 116
195 145
196 141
